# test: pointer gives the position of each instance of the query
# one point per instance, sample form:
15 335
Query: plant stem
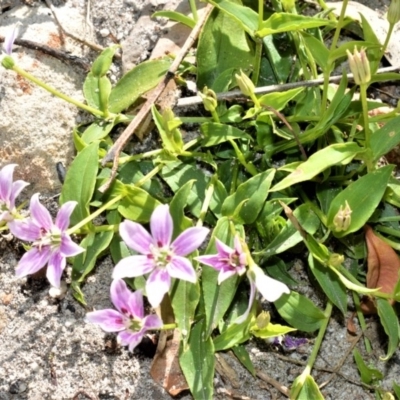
249 166
193 9
367 131
57 93
361 319
207 199
385 45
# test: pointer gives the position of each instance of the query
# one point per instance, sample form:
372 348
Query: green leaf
223 45
176 16
136 82
235 334
278 101
317 49
136 205
218 298
284 22
330 284
271 330
91 90
80 182
103 62
396 389
308 390
95 244
252 194
300 312
243 356
340 153
184 298
361 199
96 131
368 375
390 324
219 133
385 139
198 362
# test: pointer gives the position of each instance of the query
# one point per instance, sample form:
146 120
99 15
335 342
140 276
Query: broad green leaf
136 82
222 45
197 361
374 55
219 133
300 312
243 356
96 131
176 16
235 334
136 205
254 193
341 50
103 62
361 200
305 389
368 375
91 90
218 197
177 207
95 244
317 49
390 323
284 22
385 139
80 182
218 298
278 101
330 284
396 389
184 298
340 153
271 330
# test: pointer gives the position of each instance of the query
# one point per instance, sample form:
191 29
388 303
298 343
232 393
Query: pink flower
9 191
51 243
129 320
160 258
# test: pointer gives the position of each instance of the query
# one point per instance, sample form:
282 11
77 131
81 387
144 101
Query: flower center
49 238
161 255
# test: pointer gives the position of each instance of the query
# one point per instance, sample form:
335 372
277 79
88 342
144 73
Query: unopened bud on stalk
393 14
7 62
245 84
209 99
342 219
359 66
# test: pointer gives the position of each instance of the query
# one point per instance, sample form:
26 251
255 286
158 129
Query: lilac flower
9 190
288 343
160 258
227 261
129 320
233 261
51 243
10 38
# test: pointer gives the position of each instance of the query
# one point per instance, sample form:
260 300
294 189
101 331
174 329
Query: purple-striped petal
25 229
189 240
225 274
270 288
64 214
224 251
161 226
39 213
212 260
157 285
135 236
68 247
128 338
244 316
6 178
135 304
33 261
17 187
108 320
133 266
55 268
10 38
120 293
152 322
181 268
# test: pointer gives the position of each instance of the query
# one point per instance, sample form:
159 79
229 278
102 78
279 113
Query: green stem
385 45
168 327
257 61
249 167
367 131
207 200
361 319
56 92
193 9
215 116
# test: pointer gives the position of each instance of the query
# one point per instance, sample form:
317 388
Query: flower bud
393 14
263 319
336 259
7 62
359 66
245 84
342 219
209 99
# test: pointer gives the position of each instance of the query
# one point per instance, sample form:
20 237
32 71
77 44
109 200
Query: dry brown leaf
383 268
165 368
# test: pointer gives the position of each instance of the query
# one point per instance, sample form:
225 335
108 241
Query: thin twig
60 55
116 149
273 382
234 94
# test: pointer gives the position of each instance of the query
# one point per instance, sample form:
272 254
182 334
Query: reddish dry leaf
165 368
383 268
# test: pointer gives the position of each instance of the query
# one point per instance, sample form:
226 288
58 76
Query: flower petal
225 274
152 322
10 38
244 316
136 304
270 288
39 213
32 261
157 285
131 339
24 229
108 320
189 240
212 260
120 294
6 178
55 268
181 268
17 187
64 214
224 251
133 266
69 248
135 236
161 226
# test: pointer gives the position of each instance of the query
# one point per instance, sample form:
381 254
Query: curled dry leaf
383 268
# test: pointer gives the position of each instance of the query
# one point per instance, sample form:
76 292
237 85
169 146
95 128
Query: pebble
104 32
58 293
